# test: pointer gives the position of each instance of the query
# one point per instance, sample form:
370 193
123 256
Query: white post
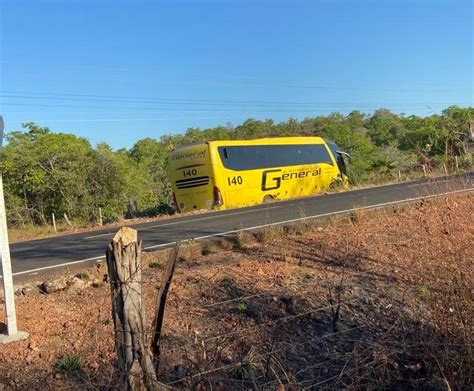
100 217
67 220
8 291
54 223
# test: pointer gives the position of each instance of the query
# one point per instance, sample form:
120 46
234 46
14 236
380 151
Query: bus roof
258 141
269 141
181 146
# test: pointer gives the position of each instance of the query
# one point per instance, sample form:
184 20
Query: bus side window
225 153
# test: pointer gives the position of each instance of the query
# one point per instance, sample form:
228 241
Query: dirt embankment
380 299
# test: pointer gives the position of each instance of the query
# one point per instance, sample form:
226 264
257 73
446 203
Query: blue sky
118 71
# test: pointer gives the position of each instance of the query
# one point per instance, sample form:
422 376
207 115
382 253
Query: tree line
47 172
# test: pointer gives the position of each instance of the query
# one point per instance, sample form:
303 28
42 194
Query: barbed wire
265 355
257 327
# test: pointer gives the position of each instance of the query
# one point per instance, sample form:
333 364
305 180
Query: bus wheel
267 199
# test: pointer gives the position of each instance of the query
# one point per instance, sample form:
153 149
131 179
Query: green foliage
46 172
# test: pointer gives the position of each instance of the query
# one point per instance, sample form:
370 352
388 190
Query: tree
151 157
385 127
47 172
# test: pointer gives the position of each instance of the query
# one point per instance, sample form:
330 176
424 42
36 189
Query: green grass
242 308
226 282
83 275
153 264
69 363
425 292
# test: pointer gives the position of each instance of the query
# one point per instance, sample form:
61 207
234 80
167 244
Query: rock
28 290
76 284
29 359
53 286
33 347
57 376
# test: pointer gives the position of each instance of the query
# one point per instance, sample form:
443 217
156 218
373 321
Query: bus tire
267 199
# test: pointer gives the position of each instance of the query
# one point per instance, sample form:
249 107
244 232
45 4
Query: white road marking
99 236
258 227
207 218
185 222
35 271
313 217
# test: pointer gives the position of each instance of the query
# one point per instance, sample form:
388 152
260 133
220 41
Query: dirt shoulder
383 299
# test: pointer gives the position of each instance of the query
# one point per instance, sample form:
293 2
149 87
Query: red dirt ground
379 299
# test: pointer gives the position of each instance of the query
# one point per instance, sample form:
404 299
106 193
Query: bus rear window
251 157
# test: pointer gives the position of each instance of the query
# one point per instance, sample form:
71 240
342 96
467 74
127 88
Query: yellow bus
233 174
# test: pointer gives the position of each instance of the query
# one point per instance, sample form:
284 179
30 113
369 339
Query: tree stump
134 357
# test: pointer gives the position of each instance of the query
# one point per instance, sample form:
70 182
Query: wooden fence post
160 306
134 357
424 169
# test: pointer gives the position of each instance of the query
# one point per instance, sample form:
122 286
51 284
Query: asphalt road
48 255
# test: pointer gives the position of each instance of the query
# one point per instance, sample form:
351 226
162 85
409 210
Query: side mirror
345 156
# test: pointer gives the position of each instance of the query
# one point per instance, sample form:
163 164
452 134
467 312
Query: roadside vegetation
49 172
